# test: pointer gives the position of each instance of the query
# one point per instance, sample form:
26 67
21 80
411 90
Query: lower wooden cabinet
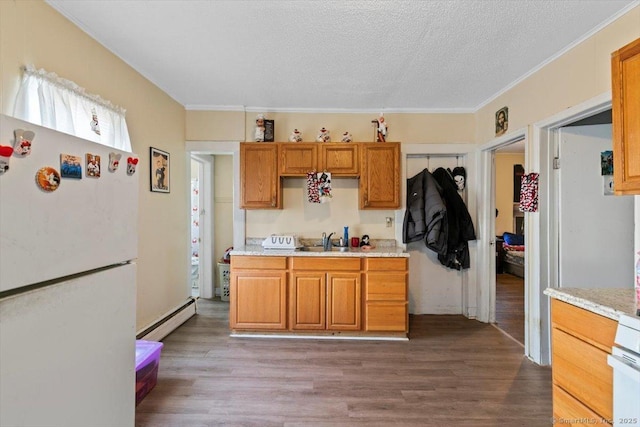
325 294
321 294
582 379
386 301
258 293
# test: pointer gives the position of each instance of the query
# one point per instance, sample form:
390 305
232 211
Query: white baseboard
170 322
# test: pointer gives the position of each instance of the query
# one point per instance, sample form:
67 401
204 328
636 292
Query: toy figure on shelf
382 129
346 137
296 136
323 136
259 132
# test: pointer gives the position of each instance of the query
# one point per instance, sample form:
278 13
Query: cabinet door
340 159
343 301
307 307
386 302
380 176
625 84
259 181
258 300
297 159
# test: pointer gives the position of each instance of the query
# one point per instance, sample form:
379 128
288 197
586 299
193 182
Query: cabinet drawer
258 262
567 409
582 370
386 287
325 263
590 327
385 264
386 316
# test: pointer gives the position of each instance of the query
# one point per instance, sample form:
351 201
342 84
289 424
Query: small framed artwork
93 165
502 121
159 170
269 130
70 166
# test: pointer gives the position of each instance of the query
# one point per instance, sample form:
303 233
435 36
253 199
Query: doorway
509 237
196 214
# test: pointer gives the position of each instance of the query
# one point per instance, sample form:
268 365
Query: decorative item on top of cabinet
258 133
346 137
323 136
381 127
296 136
380 176
259 180
625 84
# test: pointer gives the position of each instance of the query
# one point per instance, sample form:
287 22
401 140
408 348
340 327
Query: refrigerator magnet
48 179
70 166
93 165
5 155
22 142
114 161
131 165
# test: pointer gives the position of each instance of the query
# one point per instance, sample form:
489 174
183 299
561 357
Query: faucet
326 241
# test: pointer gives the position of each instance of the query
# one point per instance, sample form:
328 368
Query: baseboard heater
169 322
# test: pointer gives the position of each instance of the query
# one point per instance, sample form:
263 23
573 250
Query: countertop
379 252
608 302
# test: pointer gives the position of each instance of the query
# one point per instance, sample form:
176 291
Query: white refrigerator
67 284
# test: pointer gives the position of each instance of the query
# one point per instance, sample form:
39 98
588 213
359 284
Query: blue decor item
346 236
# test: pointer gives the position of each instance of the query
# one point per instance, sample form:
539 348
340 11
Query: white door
433 288
595 230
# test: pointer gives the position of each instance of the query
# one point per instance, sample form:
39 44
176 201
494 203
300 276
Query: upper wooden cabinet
259 179
625 85
340 159
262 165
380 176
296 159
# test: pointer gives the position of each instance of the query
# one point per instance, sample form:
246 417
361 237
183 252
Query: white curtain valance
51 101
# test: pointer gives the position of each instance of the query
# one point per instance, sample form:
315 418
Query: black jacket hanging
426 214
460 225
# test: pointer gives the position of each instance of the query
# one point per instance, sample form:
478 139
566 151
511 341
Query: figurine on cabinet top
382 129
259 132
296 136
346 137
323 136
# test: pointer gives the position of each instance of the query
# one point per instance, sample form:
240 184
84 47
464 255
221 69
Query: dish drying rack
285 242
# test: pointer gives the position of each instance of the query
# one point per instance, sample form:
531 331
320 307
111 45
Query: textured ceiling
358 55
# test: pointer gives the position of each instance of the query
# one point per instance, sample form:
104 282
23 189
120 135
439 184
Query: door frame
542 245
468 152
486 248
203 150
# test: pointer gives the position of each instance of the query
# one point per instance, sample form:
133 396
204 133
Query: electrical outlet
389 220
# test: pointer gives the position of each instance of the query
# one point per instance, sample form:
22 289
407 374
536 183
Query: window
50 101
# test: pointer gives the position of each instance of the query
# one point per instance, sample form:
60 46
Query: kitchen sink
321 249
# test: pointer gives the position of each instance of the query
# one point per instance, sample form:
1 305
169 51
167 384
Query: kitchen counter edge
607 302
382 252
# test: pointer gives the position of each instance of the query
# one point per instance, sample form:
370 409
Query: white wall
595 230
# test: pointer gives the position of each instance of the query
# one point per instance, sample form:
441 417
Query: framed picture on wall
159 170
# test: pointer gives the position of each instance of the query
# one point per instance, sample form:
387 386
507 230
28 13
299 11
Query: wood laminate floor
452 372
510 305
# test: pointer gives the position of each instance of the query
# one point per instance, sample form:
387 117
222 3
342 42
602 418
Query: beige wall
577 76
223 204
504 190
31 32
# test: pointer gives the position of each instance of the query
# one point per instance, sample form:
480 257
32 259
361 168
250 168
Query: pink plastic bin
147 361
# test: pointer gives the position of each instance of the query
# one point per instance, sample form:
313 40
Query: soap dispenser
346 236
